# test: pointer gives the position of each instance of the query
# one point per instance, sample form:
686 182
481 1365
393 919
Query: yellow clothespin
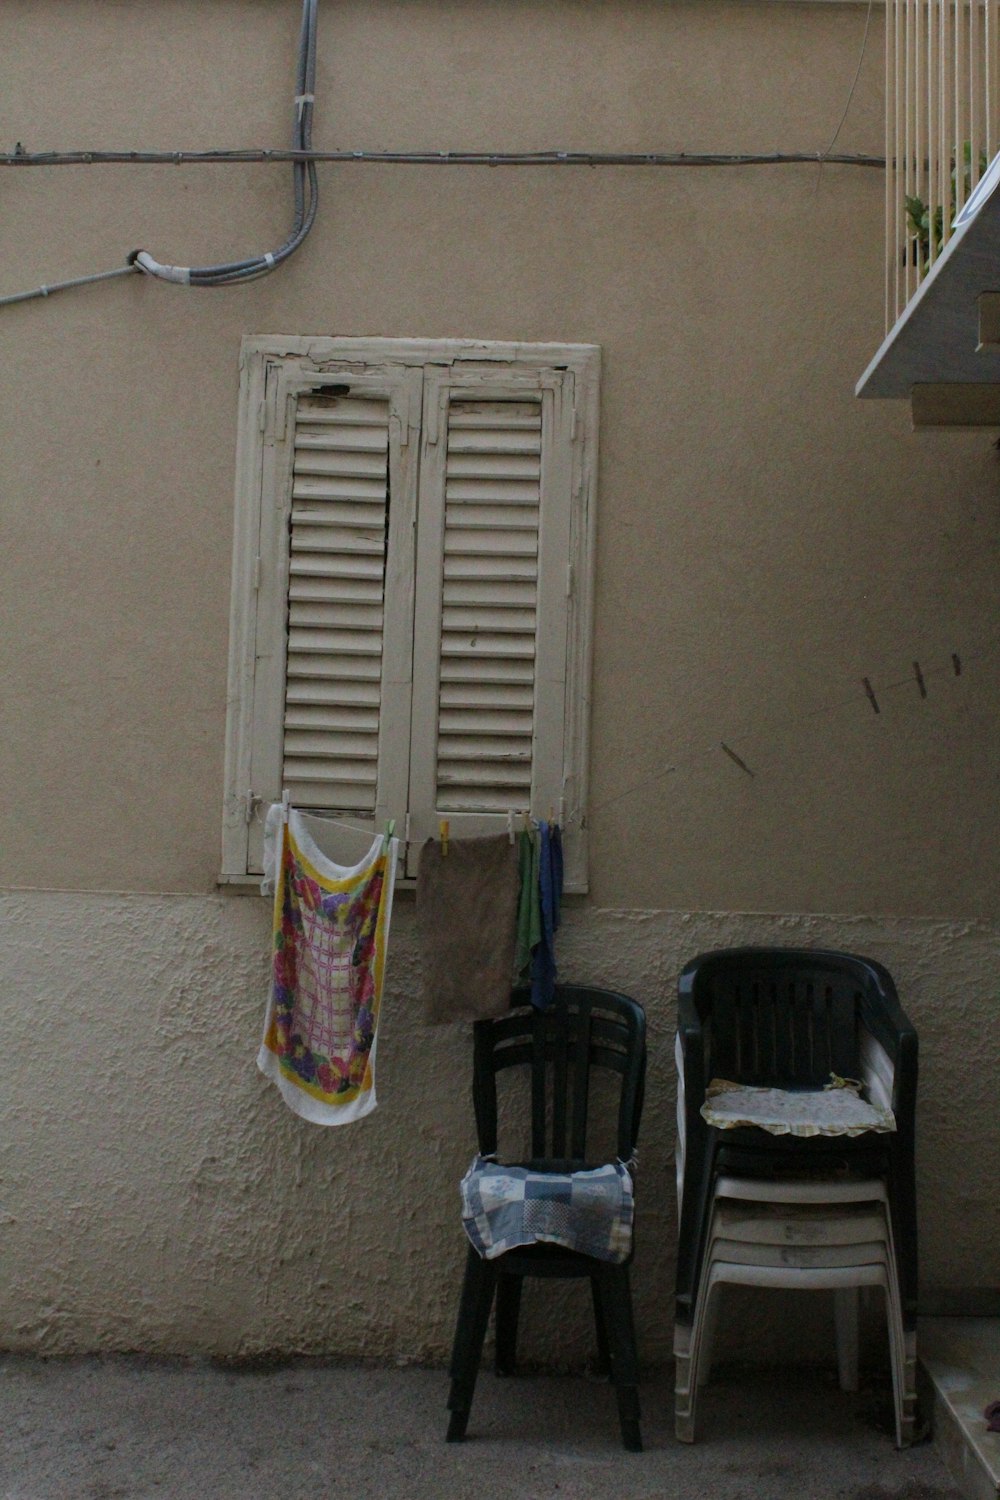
443 831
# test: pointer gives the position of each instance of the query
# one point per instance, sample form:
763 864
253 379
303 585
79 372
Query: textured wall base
156 1195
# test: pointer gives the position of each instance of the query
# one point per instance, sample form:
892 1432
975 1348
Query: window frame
416 376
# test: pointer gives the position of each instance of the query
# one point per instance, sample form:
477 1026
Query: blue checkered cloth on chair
504 1208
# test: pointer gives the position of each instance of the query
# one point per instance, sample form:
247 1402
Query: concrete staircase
961 1362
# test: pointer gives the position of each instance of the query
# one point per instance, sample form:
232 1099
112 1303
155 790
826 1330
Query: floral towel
330 928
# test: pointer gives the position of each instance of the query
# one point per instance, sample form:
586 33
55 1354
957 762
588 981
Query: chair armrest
691 1040
886 1022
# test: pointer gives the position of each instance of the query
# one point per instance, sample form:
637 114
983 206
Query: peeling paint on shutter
337 551
488 605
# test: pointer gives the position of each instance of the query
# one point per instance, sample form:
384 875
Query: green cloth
529 905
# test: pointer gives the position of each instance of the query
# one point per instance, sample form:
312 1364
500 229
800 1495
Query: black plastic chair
789 1018
558 1052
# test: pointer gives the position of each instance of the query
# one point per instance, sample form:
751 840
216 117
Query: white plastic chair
807 1235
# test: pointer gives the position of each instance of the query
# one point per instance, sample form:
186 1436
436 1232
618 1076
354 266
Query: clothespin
510 824
390 829
443 831
552 815
286 802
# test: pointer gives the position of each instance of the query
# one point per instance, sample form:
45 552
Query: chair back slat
584 1056
800 997
560 1045
844 1018
724 1061
539 1091
821 998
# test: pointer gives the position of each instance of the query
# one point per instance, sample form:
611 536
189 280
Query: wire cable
268 156
305 186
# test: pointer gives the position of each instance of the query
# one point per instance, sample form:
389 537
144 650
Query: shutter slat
339 487
460 721
494 490
334 643
342 437
509 670
321 462
339 565
469 568
495 517
331 716
506 750
335 513
317 409
328 615
483 697
492 547
492 617
300 767
492 466
496 647
321 588
339 796
494 444
329 744
322 692
497 414
342 539
457 593
366 668
484 775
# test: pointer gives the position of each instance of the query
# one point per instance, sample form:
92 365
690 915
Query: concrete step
961 1359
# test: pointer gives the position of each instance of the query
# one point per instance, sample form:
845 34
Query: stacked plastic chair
808 1211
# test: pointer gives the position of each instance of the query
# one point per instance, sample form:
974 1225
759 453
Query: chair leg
508 1310
903 1207
616 1305
478 1286
603 1352
845 1314
706 1350
696 1210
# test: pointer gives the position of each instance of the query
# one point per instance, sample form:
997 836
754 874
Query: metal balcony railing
942 127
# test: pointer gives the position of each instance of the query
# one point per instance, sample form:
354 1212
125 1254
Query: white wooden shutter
336 588
491 608
322 626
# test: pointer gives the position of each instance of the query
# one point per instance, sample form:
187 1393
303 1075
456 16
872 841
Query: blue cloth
550 883
504 1208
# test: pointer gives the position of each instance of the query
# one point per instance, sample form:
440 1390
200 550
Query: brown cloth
466 924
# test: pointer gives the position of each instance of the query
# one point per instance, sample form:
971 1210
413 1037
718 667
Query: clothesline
528 822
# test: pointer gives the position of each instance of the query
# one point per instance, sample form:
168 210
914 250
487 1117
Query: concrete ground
133 1429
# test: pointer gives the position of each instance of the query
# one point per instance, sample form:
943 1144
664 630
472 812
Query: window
412 587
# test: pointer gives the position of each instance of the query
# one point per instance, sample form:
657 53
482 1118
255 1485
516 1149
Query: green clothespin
390 829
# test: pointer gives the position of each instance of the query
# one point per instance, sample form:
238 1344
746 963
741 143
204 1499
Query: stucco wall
156 1194
765 542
